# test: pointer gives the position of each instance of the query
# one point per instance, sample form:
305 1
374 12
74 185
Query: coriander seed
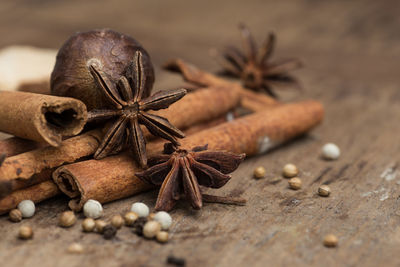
88 225
290 170
295 183
27 208
15 215
25 232
162 237
330 241
324 190
67 219
130 218
100 224
151 228
117 221
259 172
75 248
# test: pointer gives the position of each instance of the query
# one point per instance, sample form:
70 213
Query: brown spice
67 219
330 241
15 215
109 232
100 224
138 226
295 183
117 221
25 232
130 218
88 225
259 172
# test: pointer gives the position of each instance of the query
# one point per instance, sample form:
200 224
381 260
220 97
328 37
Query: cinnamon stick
15 145
41 118
36 193
114 177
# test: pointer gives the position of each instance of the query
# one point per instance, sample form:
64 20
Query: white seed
259 172
290 170
93 209
75 248
324 190
151 228
164 219
140 209
162 237
27 208
295 183
330 151
330 241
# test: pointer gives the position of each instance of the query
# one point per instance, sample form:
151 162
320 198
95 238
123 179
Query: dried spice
252 65
3 157
130 111
180 172
109 232
138 225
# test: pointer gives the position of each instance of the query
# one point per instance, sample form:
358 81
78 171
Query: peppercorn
109 232
93 209
25 232
164 219
151 228
75 248
140 209
295 183
130 218
324 190
88 225
330 241
27 208
330 151
100 224
15 215
162 237
259 172
117 221
138 226
67 219
290 170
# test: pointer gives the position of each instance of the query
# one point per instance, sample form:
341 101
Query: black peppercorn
109 232
138 226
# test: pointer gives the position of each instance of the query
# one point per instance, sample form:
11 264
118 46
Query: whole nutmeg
67 219
108 51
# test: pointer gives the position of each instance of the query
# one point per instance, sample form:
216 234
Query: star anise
181 172
253 67
129 111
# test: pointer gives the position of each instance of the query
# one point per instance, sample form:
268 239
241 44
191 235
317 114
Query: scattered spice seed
117 221
100 224
88 225
75 248
140 209
275 180
93 209
27 208
151 228
67 219
109 232
330 241
295 183
259 172
290 170
138 226
176 261
162 237
15 215
324 190
130 218
25 232
164 219
330 151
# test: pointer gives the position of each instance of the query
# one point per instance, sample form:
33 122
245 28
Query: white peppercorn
330 151
259 172
164 219
140 209
117 221
162 237
27 208
93 209
25 232
151 228
88 225
100 224
67 219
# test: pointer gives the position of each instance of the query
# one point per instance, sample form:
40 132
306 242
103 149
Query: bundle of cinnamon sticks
43 159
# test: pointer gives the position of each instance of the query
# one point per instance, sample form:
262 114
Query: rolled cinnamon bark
41 118
249 99
36 193
108 179
15 145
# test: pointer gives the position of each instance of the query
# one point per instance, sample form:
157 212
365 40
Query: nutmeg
109 51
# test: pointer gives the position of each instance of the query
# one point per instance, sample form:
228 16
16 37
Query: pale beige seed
130 218
75 248
88 225
100 224
162 237
290 171
117 221
67 219
15 215
295 183
259 172
330 241
25 232
151 228
324 190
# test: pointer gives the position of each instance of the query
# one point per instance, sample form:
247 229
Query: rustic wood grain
350 49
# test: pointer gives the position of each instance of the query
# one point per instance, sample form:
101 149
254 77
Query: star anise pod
130 110
253 67
181 172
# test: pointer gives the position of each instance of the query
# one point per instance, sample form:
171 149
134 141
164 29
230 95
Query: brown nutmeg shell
109 51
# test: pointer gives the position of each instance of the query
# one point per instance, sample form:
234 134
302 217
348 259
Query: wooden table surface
351 53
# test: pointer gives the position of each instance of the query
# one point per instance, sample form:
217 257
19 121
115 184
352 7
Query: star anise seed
253 67
130 111
181 172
